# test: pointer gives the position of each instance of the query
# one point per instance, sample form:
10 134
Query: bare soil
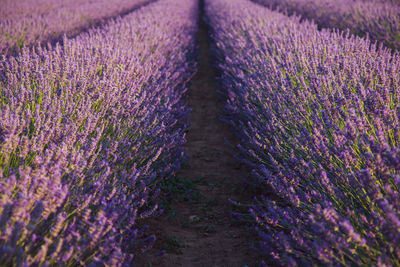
203 232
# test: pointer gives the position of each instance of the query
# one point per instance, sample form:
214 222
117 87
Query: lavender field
199 133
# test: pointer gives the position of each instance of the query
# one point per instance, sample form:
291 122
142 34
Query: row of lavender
318 116
380 21
28 22
396 2
86 132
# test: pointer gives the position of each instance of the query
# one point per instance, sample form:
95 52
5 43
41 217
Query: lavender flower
88 129
25 23
317 116
378 19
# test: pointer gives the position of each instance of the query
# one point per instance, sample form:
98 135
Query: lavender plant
395 2
87 130
318 117
28 22
379 20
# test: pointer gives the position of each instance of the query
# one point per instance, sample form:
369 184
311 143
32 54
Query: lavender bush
27 22
395 2
318 116
86 132
380 21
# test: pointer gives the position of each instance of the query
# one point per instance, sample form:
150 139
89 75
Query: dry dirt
203 233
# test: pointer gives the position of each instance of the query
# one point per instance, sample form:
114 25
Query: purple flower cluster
87 130
318 116
395 2
25 22
379 20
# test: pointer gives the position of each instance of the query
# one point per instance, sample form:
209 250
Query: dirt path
199 230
